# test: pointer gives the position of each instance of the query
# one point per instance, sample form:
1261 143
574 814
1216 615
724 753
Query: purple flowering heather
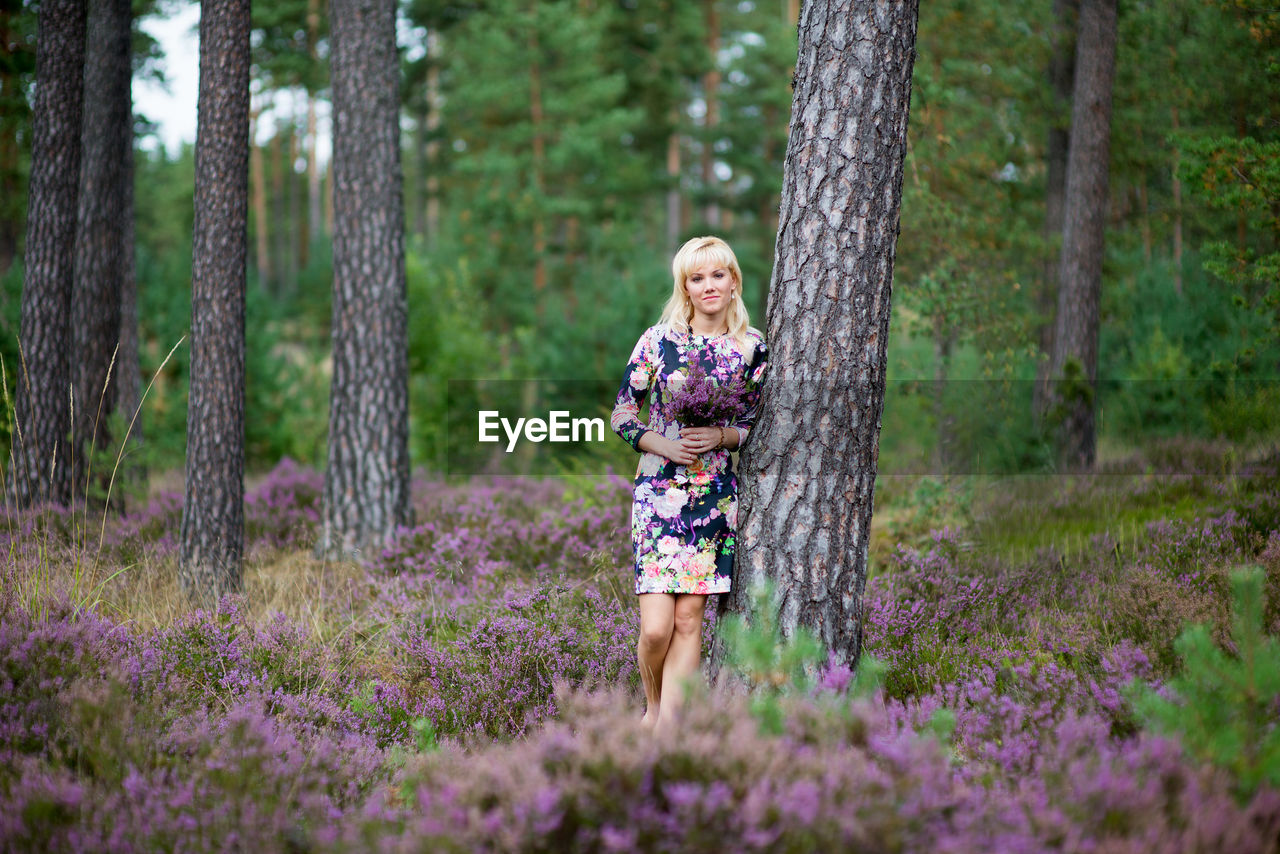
702 402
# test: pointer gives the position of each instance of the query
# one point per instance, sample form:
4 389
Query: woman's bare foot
650 720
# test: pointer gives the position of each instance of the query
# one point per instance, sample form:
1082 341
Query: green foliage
1222 707
777 667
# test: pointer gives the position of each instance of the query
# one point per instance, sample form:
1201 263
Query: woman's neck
707 327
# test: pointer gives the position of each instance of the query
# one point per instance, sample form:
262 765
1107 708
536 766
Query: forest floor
474 686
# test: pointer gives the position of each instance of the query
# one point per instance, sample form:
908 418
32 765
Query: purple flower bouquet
702 402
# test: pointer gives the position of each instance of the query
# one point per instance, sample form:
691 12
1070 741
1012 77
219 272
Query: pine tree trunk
366 492
1073 366
1061 77
280 231
13 120
673 186
711 95
432 184
315 224
100 234
809 467
129 362
1177 208
261 225
40 470
213 505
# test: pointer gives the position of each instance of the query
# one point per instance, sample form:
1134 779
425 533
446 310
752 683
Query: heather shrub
861 778
1223 707
496 676
1269 559
283 510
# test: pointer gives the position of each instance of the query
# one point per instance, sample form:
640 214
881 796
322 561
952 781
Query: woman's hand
679 451
676 450
701 439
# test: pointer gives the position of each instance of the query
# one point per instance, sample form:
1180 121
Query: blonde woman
684 515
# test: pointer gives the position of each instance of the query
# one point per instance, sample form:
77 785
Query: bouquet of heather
702 402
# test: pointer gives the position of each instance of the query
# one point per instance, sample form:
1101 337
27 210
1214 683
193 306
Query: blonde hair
695 253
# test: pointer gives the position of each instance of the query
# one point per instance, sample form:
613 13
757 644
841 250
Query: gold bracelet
721 445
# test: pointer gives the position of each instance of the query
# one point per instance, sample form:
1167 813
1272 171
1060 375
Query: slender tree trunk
809 467
366 491
100 230
279 216
40 470
129 362
297 229
1144 217
944 451
539 161
315 218
258 189
14 116
297 203
711 121
1177 210
432 205
1061 77
213 504
673 185
1074 364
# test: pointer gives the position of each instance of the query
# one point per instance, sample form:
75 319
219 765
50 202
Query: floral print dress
684 518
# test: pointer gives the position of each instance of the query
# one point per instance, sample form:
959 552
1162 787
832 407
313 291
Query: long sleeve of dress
636 383
754 376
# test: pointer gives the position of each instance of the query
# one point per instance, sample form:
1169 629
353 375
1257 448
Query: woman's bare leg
682 654
657 619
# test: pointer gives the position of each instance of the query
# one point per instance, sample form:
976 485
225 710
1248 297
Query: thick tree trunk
213 506
809 467
1061 78
40 470
100 230
1073 367
366 491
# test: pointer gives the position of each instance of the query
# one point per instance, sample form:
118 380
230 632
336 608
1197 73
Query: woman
685 511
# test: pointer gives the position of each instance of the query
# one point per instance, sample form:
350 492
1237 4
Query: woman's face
709 288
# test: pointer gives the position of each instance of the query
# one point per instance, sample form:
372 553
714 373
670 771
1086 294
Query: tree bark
1061 78
213 505
1073 366
101 228
40 470
809 467
366 492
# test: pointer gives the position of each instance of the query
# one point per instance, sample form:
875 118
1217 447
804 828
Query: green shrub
1222 707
